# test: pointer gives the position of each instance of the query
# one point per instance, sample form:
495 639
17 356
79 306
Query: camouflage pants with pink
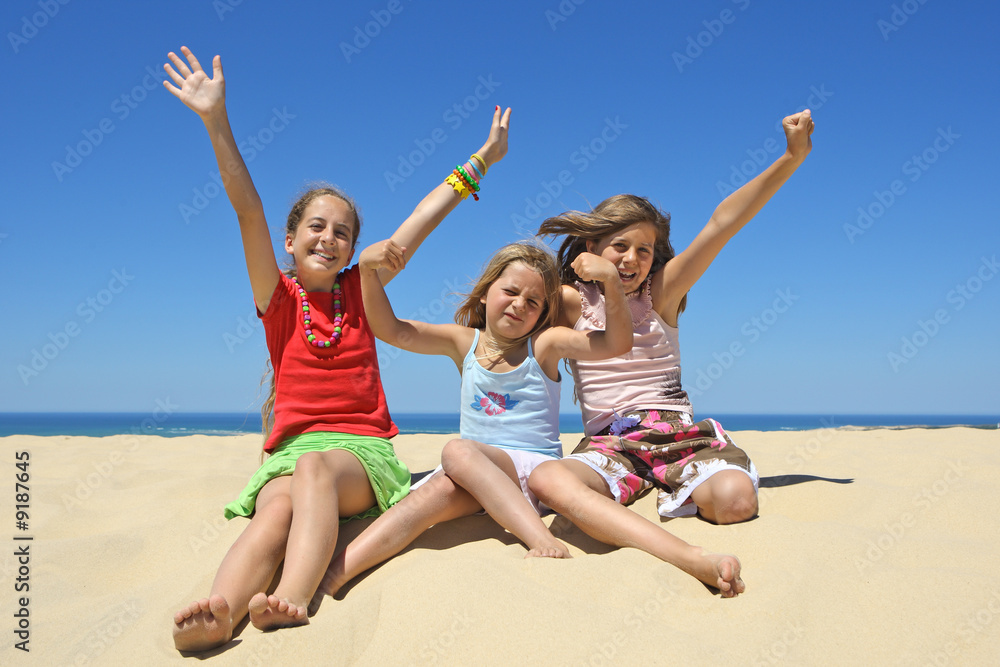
647 449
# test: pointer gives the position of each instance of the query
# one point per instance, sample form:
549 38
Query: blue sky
868 285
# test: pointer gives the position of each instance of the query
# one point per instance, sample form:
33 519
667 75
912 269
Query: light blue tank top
518 409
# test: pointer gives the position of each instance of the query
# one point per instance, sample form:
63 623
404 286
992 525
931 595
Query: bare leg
574 490
324 487
247 568
727 496
489 475
436 501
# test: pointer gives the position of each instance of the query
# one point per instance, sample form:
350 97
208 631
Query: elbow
621 345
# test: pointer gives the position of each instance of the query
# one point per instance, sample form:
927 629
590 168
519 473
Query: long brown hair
609 217
314 191
472 311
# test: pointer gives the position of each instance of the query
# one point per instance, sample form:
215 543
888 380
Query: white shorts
524 462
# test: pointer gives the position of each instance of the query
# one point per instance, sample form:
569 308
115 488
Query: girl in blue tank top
504 345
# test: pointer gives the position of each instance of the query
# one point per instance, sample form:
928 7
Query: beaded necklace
338 316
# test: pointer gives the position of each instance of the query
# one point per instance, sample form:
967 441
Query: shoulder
281 297
570 304
464 337
351 276
664 301
547 347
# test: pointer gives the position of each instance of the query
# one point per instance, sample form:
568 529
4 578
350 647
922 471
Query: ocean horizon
101 424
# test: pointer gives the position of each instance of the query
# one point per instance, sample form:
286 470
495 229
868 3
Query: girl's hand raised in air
798 128
496 145
201 94
383 255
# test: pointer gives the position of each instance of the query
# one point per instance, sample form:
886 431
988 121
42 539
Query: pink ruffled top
648 377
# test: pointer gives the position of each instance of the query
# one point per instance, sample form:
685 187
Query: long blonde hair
315 191
609 217
472 311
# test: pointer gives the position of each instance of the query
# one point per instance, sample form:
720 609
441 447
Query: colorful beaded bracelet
465 182
471 171
468 179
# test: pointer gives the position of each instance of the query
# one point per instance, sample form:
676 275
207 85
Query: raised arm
207 98
616 339
450 340
443 199
681 273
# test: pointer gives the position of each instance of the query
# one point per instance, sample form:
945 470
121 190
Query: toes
218 606
258 603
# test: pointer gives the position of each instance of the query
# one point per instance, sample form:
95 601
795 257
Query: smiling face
323 242
631 251
514 302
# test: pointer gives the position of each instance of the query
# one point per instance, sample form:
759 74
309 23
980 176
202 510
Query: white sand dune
872 547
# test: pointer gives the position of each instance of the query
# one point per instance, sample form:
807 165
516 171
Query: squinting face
631 251
514 302
323 242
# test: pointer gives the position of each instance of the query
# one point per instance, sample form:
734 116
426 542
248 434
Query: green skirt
389 477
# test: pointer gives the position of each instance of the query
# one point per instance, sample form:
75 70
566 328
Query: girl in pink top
637 418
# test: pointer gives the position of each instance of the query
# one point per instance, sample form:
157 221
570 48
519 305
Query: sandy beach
872 546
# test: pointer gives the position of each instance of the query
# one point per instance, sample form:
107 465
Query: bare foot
203 624
723 572
268 612
555 549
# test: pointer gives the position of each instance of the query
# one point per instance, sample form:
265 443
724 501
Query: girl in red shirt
330 456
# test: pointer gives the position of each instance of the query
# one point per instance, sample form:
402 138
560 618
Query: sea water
99 424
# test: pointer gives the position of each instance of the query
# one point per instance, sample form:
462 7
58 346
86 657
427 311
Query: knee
545 482
736 502
310 468
457 456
